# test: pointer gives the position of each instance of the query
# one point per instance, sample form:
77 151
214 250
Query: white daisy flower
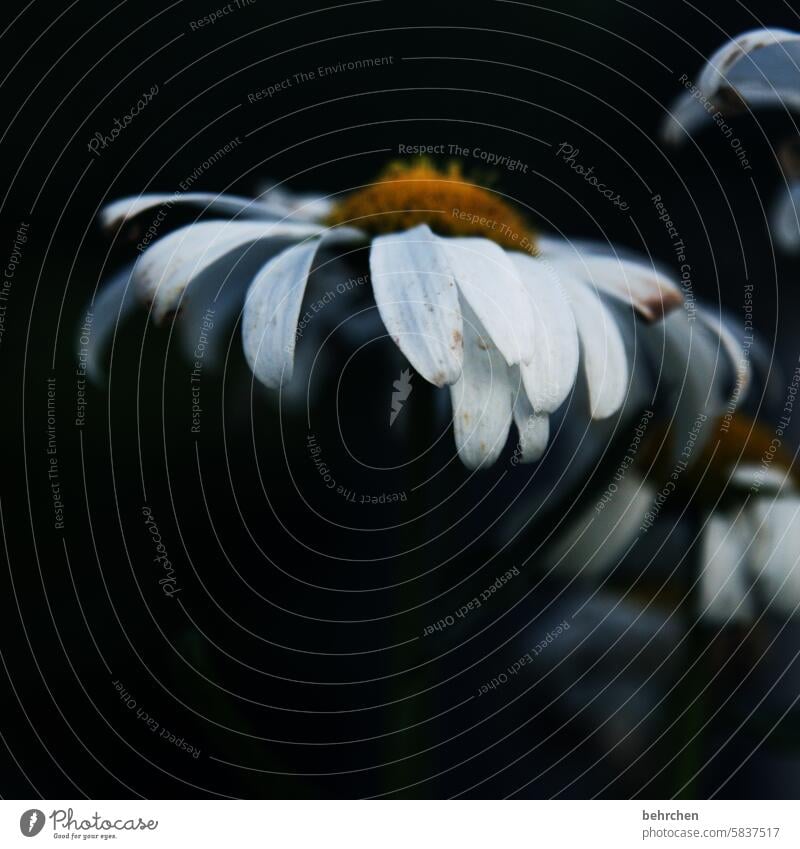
462 285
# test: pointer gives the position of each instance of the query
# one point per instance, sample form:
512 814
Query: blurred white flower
760 68
757 68
751 549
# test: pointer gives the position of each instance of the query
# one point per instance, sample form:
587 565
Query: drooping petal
775 555
489 282
737 359
272 309
113 303
550 373
164 271
724 584
688 361
307 361
604 359
123 210
590 543
686 115
575 248
481 397
418 301
305 206
533 428
651 293
766 480
217 297
759 63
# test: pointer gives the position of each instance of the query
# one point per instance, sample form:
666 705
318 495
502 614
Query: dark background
297 673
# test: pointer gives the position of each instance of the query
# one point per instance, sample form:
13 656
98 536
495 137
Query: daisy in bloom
506 320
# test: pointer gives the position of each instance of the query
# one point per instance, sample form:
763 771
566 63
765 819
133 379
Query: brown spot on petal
737 54
458 339
659 305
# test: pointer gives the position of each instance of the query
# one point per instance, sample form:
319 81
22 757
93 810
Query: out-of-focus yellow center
408 194
743 441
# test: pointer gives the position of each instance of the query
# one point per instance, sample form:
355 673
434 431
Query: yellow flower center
743 441
408 194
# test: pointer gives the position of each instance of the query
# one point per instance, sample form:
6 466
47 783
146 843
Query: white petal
551 247
604 359
122 210
591 543
272 309
776 550
306 206
652 294
489 282
114 301
785 219
481 397
724 583
164 271
683 352
533 429
766 480
550 373
418 301
313 364
737 358
221 288
309 360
